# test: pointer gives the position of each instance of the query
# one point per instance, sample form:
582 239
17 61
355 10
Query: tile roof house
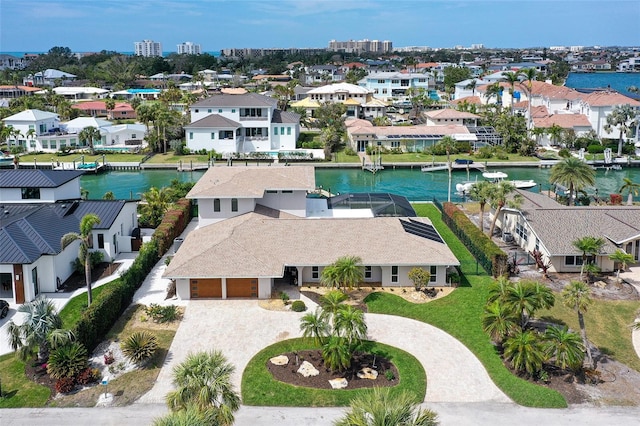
244 123
542 223
48 77
359 101
267 236
38 207
122 110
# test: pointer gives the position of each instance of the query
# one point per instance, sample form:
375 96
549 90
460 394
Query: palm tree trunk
585 342
87 276
495 219
482 217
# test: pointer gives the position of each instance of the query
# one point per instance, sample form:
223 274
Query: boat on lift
495 177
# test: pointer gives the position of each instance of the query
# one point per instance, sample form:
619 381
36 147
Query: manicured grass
17 390
341 157
171 158
459 315
259 387
49 157
420 157
607 323
72 311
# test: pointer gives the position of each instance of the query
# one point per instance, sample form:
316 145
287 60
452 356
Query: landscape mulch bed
288 373
36 371
101 270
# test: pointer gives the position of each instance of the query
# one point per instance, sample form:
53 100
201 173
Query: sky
94 25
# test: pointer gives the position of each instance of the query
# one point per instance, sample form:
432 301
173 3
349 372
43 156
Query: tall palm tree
155 205
512 78
382 407
574 174
492 90
351 325
204 380
632 189
622 259
577 295
314 325
110 105
525 352
40 323
472 86
566 347
449 145
555 133
499 320
625 118
480 193
529 75
89 135
331 303
87 223
499 194
589 246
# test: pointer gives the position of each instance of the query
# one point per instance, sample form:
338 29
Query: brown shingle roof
214 120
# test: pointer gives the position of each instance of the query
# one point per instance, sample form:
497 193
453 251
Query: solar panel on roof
421 229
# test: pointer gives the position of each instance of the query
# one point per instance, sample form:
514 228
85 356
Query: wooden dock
434 167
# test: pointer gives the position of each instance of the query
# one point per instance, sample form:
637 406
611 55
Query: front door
362 146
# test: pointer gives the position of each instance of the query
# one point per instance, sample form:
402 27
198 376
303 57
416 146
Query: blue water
411 183
615 80
215 53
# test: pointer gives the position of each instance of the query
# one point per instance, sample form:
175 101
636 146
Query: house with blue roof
38 207
49 77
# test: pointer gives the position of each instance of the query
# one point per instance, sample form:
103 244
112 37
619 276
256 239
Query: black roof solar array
380 203
421 229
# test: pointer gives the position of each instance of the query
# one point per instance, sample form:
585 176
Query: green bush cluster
298 306
480 245
173 223
140 346
595 149
162 314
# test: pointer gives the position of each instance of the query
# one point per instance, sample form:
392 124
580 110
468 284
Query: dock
434 167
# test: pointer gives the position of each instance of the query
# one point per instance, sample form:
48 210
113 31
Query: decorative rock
307 369
338 383
279 360
368 373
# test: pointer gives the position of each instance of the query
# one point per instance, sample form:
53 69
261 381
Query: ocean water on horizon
215 53
615 80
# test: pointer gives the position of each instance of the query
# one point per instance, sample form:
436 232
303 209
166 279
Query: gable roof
31 115
230 248
448 113
566 121
80 123
36 178
285 117
252 181
607 98
242 100
214 120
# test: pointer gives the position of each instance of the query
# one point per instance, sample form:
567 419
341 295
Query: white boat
465 187
495 177
6 159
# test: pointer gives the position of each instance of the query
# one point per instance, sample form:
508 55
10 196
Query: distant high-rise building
361 46
148 48
188 48
477 46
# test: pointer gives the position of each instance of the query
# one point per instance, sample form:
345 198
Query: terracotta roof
468 99
251 182
25 88
539 111
358 122
448 113
100 105
233 91
566 121
451 129
254 245
608 99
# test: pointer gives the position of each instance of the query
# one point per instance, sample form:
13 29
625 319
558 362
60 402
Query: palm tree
493 90
480 193
621 258
577 295
499 289
538 132
525 297
156 203
472 86
512 78
41 325
87 223
336 353
331 303
626 118
498 197
345 272
632 189
109 196
315 326
351 325
204 380
110 105
449 145
529 75
190 416
381 407
574 174
525 352
89 135
565 346
588 245
499 320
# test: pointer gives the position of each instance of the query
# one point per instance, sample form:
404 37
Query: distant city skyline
87 26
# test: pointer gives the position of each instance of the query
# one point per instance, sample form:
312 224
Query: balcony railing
250 118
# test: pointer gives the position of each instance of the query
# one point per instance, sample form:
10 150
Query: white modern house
264 237
31 124
49 77
387 85
245 123
38 208
359 101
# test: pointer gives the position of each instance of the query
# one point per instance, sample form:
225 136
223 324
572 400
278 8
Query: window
394 274
45 144
90 240
521 231
53 145
233 111
197 111
220 111
395 81
381 81
101 241
367 272
32 143
287 191
234 204
213 135
537 244
133 136
433 270
288 131
30 193
422 80
216 204
315 272
209 110
225 134
576 260
404 83
275 131
282 130
384 91
34 280
271 191
190 135
395 144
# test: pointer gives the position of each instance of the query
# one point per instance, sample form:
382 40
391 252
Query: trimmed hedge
97 319
486 252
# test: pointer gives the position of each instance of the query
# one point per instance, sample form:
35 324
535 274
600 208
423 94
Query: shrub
140 346
88 376
67 361
65 385
284 297
595 149
485 152
616 199
388 374
349 151
162 314
298 306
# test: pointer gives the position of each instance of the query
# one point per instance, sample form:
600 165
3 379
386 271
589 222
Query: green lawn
259 387
49 157
420 157
17 389
72 311
459 315
171 158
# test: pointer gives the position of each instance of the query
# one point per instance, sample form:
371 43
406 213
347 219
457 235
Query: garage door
206 288
242 287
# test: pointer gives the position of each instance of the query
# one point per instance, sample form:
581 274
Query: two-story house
388 85
358 100
30 124
243 123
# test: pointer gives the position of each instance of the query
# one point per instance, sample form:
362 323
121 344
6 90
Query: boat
6 159
495 177
465 187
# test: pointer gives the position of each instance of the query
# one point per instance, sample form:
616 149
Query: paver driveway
241 328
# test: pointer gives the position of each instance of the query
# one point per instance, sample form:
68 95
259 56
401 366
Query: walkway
632 276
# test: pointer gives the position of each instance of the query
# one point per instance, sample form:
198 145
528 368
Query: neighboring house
121 111
630 65
450 116
598 105
359 101
245 253
576 122
144 94
591 66
321 74
49 77
78 93
466 88
387 85
32 121
244 123
38 208
12 92
13 62
543 224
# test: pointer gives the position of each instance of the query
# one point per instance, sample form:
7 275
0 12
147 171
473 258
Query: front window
315 272
34 280
367 272
101 241
234 204
433 274
216 204
394 274
225 134
30 193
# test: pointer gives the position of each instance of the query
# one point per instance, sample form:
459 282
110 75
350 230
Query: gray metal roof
285 117
28 232
214 120
246 100
30 178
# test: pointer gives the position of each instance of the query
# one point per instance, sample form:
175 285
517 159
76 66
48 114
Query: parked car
4 308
